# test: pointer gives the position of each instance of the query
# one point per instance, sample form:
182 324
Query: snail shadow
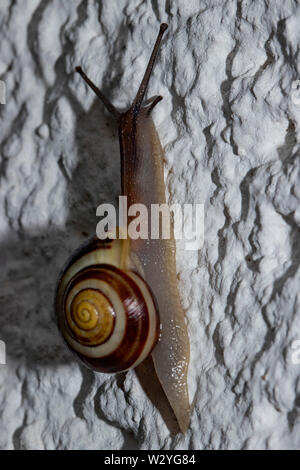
27 324
32 260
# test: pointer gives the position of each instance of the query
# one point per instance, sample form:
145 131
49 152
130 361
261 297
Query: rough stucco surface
229 123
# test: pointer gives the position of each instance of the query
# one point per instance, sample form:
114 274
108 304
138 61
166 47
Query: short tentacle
150 107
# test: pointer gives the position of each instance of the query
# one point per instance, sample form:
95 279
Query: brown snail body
155 273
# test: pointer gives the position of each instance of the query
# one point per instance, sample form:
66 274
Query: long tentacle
110 107
143 86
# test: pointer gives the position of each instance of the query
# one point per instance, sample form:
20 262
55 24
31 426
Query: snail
117 300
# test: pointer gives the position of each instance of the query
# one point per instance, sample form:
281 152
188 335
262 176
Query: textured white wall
229 123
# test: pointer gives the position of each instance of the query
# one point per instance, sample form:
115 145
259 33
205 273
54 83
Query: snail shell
105 311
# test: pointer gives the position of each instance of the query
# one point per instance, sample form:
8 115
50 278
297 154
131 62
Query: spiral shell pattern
90 316
107 315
